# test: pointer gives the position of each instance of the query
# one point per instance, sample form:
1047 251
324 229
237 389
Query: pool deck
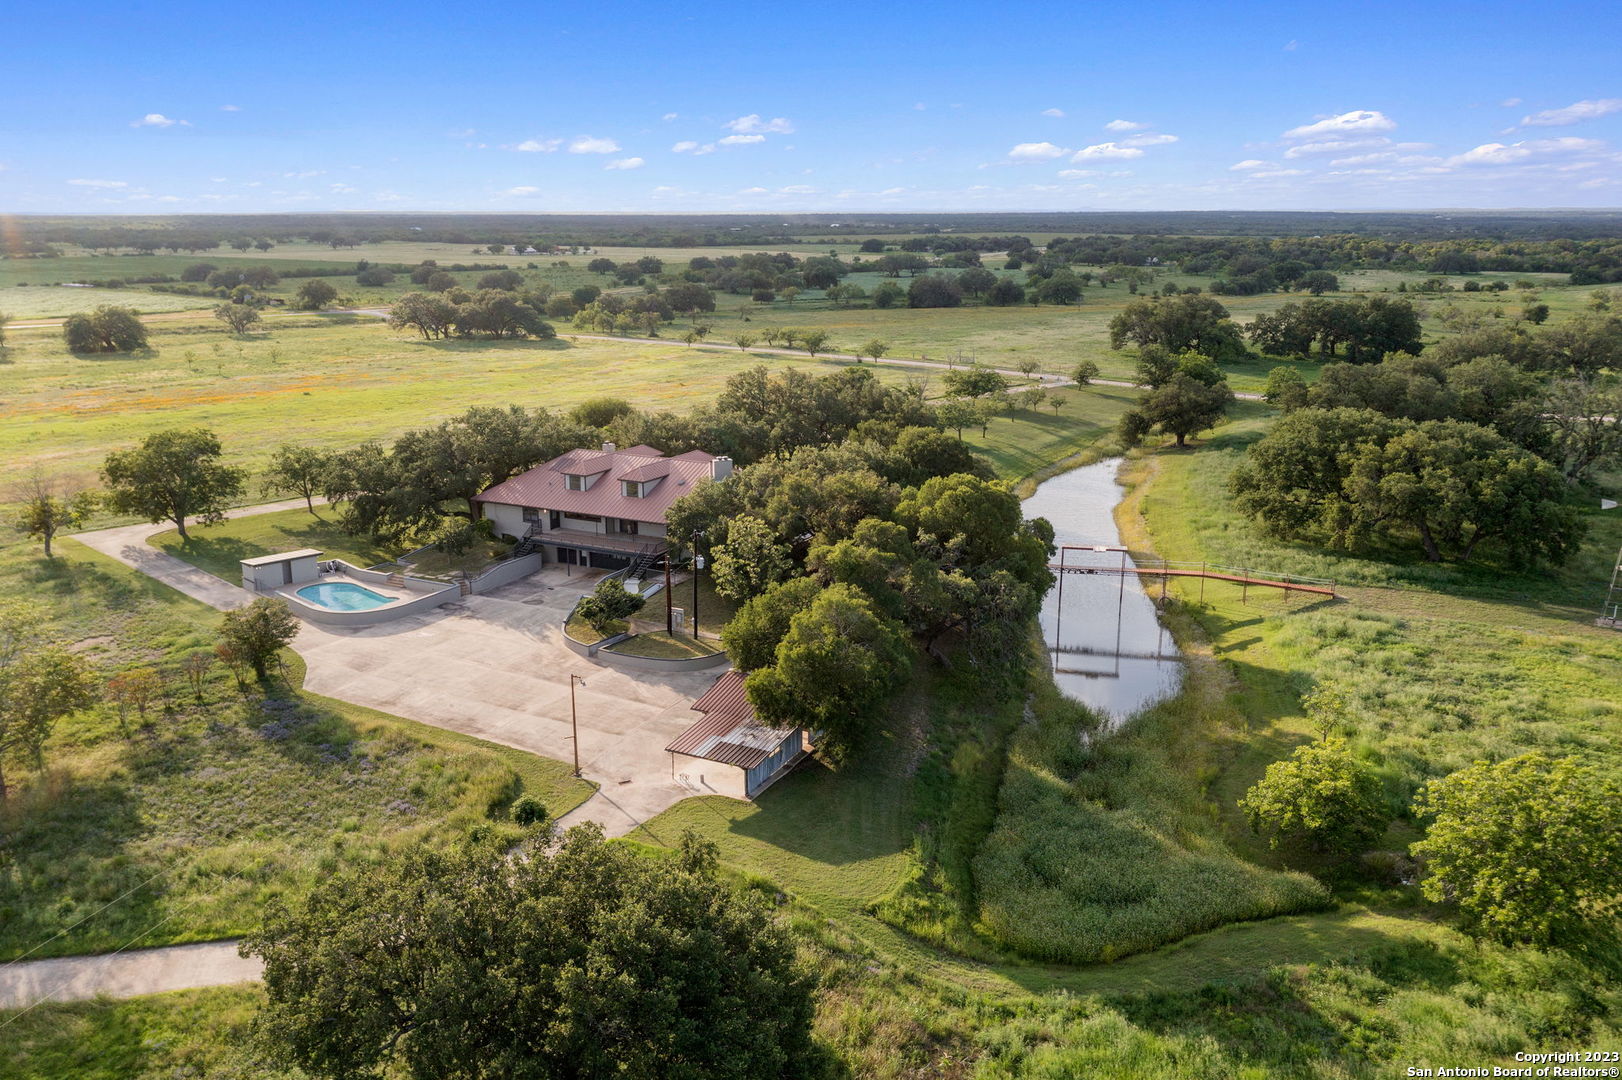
394 594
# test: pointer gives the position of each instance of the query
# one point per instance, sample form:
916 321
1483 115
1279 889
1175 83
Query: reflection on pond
1108 648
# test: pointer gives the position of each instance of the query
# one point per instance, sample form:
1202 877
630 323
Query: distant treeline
668 230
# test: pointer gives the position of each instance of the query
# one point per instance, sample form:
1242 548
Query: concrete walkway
128 544
125 974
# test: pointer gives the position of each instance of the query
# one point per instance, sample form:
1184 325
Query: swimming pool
343 596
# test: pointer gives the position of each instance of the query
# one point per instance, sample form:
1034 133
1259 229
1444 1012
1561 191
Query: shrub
1321 797
529 810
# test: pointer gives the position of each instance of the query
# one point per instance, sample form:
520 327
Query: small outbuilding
731 751
270 572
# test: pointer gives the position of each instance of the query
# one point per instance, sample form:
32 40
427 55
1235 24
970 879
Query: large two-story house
603 508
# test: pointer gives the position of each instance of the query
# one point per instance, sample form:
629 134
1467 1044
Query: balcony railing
606 543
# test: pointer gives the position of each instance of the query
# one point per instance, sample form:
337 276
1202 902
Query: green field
180 826
335 381
955 884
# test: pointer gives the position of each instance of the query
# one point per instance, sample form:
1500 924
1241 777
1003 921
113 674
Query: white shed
730 751
270 572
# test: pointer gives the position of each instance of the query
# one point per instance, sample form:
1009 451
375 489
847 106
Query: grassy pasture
334 381
1441 664
330 381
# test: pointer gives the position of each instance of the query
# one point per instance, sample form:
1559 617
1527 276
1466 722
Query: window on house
632 488
531 514
577 483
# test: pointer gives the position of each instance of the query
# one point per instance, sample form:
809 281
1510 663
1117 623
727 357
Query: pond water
1105 640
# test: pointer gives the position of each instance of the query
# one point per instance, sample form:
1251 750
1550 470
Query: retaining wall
507 572
626 662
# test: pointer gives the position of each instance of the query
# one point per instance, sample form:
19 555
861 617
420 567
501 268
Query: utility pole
670 614
574 723
698 564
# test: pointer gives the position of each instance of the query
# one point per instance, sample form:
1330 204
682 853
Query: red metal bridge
1165 569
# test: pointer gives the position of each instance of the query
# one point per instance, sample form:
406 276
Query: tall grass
1104 845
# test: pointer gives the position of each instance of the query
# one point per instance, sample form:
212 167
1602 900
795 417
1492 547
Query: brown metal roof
545 487
729 733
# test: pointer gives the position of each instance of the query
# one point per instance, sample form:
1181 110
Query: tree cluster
106 329
853 552
1364 329
431 472
490 312
575 959
1352 477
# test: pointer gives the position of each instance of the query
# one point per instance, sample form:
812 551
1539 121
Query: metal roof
546 487
730 733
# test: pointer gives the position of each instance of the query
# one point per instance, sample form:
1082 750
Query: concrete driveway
492 666
496 667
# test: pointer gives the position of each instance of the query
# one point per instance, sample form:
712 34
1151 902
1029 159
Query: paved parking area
496 667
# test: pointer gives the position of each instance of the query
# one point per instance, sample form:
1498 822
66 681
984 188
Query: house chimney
609 448
721 468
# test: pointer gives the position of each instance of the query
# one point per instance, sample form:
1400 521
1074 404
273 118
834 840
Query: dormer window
631 488
576 483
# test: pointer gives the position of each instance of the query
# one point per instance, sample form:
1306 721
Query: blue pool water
343 596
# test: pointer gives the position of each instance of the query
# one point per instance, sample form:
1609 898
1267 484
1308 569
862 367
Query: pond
1108 648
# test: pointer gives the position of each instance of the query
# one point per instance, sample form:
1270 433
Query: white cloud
741 140
894 191
1149 140
538 146
1509 103
1335 146
1057 114
521 191
1356 120
305 175
626 163
1036 151
1501 154
753 191
667 117
1124 125
341 189
230 108
688 146
1106 150
797 189
1291 45
1265 174
462 133
1247 164
1076 174
1491 154
754 125
157 120
591 144
104 184
1574 113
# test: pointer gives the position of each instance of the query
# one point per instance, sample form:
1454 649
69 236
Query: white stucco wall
270 575
710 777
508 520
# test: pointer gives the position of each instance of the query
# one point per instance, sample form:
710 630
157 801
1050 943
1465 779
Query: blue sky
179 106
